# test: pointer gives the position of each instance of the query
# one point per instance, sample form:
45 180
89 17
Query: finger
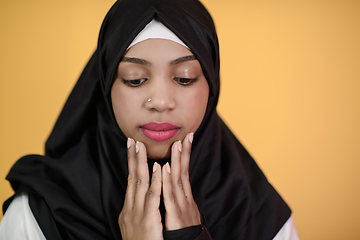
142 176
131 186
175 161
185 160
153 195
168 195
176 173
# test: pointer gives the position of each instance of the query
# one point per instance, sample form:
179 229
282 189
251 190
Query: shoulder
288 231
19 222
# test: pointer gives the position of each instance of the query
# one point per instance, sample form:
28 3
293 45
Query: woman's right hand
140 217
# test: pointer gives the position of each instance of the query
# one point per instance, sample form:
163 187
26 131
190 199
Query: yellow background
290 86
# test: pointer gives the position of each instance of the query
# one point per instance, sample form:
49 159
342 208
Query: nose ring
149 99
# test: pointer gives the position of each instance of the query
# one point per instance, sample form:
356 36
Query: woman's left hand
181 209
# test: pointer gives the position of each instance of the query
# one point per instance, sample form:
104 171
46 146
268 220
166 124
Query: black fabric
199 232
189 233
77 189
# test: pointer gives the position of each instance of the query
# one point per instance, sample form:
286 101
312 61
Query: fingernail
155 167
179 146
137 148
167 166
191 137
128 143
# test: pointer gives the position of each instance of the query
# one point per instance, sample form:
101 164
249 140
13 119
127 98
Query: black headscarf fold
77 189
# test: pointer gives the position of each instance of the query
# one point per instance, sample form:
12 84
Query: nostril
161 102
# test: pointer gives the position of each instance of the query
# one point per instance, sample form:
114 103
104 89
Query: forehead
155 48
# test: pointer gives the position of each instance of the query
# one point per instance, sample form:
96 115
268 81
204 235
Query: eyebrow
147 63
136 60
183 59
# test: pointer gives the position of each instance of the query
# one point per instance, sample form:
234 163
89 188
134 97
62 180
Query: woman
147 98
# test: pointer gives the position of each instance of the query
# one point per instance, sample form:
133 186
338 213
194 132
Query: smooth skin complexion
169 75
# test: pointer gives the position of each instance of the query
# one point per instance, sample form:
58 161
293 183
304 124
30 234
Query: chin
159 153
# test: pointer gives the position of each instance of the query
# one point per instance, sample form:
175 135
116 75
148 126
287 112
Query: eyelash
188 82
139 82
135 82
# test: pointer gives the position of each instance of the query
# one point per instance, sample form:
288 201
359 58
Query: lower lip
159 135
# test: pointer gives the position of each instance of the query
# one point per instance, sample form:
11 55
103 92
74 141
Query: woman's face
159 94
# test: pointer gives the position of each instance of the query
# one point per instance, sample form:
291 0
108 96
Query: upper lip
159 126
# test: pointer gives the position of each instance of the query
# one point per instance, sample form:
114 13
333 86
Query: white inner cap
156 29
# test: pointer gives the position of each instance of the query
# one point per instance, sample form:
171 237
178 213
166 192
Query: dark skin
169 74
140 217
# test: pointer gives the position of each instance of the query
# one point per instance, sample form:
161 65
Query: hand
140 217
181 209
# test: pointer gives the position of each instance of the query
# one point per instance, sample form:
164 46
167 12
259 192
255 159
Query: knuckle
150 193
179 182
185 174
138 182
173 197
130 177
154 179
194 205
154 176
123 217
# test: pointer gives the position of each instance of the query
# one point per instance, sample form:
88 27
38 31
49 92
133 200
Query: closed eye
185 81
135 82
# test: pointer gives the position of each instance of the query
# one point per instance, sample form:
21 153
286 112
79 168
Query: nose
161 96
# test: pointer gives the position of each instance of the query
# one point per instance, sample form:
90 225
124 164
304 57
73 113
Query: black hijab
76 191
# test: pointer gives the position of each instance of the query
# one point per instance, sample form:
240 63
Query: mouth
159 132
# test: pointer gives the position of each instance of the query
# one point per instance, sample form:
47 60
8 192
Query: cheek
196 105
117 100
123 108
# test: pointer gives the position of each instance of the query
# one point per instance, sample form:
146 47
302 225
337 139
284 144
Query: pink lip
159 132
